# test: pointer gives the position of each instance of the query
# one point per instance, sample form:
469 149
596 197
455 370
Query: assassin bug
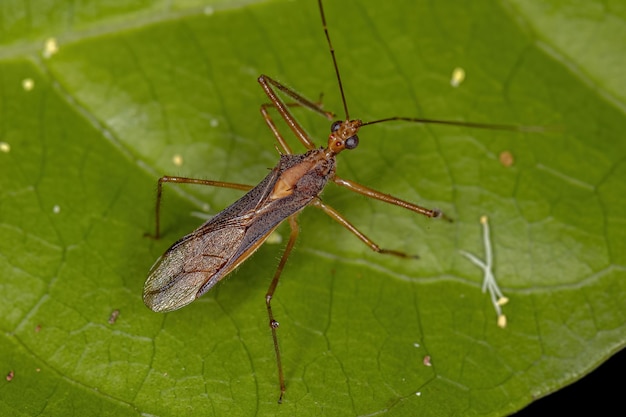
198 261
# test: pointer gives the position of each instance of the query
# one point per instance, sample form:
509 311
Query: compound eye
335 126
352 142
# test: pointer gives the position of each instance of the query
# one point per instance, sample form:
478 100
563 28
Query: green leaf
87 131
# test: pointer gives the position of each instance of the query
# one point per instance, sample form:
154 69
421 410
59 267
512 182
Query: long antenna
511 128
332 53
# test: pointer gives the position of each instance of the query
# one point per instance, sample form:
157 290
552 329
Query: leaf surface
145 89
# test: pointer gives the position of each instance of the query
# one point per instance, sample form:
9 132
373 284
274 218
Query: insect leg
268 120
335 215
270 294
368 192
185 180
268 86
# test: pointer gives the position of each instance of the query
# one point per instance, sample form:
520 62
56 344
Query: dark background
601 393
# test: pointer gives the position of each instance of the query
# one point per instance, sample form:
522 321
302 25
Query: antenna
332 53
489 126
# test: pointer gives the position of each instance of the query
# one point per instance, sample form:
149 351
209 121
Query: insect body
194 264
198 261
